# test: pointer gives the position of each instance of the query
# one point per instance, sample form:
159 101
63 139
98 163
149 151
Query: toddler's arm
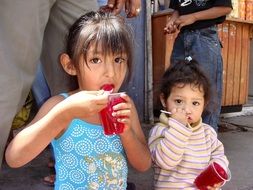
167 145
218 154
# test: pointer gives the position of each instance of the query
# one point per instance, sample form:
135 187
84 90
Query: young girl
98 53
181 145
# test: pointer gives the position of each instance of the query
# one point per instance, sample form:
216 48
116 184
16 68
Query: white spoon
167 112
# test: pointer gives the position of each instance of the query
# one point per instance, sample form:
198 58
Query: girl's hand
215 187
85 104
180 115
123 111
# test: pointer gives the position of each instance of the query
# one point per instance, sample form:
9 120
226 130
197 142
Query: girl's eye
95 60
119 60
196 103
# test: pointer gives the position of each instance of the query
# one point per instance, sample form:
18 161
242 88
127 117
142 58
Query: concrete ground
236 133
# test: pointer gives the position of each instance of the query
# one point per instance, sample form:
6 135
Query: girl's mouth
108 87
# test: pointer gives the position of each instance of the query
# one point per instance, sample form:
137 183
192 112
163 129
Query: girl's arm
51 121
133 138
135 145
28 143
211 13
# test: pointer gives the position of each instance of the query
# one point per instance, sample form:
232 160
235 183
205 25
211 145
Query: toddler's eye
196 103
178 101
119 60
95 60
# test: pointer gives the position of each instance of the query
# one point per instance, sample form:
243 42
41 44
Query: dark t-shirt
191 6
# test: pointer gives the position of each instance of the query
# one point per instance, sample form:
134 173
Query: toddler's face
102 70
186 99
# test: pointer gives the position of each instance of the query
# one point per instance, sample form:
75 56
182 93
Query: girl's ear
67 64
162 99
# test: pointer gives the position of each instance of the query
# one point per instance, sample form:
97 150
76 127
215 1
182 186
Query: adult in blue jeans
27 28
198 38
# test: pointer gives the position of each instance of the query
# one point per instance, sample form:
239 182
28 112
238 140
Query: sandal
49 180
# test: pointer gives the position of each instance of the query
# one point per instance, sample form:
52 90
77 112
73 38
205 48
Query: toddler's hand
215 187
180 115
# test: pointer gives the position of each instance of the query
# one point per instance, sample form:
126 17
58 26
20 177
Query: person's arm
167 145
52 119
211 13
28 143
132 138
170 26
217 153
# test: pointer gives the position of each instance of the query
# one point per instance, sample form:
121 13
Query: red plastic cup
110 124
212 175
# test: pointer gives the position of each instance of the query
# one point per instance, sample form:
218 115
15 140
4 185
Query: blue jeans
204 46
40 89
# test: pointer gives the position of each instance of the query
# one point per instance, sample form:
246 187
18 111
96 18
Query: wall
251 70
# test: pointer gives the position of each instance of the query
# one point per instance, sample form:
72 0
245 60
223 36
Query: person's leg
40 89
204 46
22 26
178 52
63 14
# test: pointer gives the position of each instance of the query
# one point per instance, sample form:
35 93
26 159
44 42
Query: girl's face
189 98
101 69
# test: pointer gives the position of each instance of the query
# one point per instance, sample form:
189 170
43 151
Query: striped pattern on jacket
180 153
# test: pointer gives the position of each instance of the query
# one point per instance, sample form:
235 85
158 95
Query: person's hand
132 7
170 27
185 20
180 115
123 111
85 104
215 187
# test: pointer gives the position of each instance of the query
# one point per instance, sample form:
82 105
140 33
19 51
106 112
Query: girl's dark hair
185 72
100 28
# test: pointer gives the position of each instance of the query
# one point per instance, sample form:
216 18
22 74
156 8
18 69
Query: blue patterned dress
88 159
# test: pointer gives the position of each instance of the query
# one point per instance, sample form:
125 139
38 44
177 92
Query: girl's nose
110 71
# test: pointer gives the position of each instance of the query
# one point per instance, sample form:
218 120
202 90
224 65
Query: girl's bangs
111 41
